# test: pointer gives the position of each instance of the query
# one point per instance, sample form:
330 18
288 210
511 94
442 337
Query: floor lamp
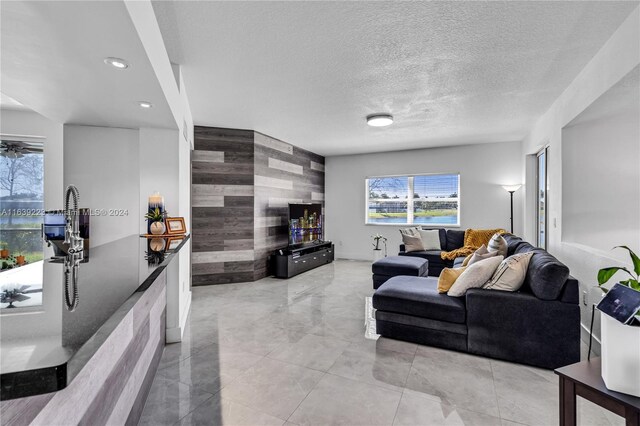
511 189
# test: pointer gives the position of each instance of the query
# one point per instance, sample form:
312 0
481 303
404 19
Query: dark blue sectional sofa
538 325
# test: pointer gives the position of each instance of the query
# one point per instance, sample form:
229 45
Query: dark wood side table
584 379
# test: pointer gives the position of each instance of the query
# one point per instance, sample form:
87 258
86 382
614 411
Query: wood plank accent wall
222 206
283 174
242 183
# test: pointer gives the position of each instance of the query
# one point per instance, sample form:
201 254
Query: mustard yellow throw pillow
448 276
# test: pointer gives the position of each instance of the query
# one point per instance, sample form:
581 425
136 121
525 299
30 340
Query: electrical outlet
584 298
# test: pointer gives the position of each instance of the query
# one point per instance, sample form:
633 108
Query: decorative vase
620 356
157 228
156 244
20 260
377 254
4 253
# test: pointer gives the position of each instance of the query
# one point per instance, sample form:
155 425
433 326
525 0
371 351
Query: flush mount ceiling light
118 63
145 104
379 120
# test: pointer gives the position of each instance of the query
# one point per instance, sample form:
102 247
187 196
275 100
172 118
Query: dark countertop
109 284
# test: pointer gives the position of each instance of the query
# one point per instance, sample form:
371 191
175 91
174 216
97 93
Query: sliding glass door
542 203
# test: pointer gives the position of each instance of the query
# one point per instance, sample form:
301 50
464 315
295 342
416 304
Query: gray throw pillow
411 239
430 239
475 276
481 254
499 244
511 273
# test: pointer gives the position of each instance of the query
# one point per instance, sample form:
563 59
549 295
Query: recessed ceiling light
118 63
379 120
145 104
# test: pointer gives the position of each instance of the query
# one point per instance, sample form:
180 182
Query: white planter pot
620 356
377 255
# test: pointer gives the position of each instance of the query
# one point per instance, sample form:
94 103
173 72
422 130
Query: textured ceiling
450 72
52 56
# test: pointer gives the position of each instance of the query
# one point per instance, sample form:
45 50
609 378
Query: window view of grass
434 199
21 207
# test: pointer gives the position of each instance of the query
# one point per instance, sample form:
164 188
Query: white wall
103 163
483 202
45 319
601 208
158 156
619 55
170 79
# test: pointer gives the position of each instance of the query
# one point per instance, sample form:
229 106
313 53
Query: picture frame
175 226
174 242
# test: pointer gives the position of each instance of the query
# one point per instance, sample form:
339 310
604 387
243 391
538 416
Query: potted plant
377 250
620 343
156 221
4 249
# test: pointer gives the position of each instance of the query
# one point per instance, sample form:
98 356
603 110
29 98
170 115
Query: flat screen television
305 224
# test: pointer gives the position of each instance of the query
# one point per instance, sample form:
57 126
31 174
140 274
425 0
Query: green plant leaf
634 284
605 274
634 258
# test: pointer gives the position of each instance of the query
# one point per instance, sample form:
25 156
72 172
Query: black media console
296 261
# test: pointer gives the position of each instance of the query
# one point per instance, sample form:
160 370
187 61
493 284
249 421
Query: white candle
156 200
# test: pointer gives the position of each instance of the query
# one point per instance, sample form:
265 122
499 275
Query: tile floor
294 352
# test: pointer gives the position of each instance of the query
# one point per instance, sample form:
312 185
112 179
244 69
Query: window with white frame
430 200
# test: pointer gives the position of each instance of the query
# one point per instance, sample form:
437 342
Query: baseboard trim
584 335
174 335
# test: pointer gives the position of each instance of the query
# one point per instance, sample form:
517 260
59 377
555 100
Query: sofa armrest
520 327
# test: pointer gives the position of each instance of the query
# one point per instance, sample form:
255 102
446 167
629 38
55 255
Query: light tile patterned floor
294 352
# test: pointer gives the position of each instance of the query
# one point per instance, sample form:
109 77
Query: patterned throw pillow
499 244
511 273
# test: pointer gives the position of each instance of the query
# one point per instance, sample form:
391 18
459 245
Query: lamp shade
511 188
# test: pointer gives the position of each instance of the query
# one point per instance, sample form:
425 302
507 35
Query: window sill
404 225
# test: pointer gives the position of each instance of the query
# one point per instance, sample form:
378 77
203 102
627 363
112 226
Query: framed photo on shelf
175 226
174 242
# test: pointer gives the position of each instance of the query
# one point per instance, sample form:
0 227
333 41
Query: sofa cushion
443 238
459 262
433 256
455 239
546 275
400 265
419 297
512 243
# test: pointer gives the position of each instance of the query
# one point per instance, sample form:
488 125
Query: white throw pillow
481 254
511 273
475 276
430 239
499 244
